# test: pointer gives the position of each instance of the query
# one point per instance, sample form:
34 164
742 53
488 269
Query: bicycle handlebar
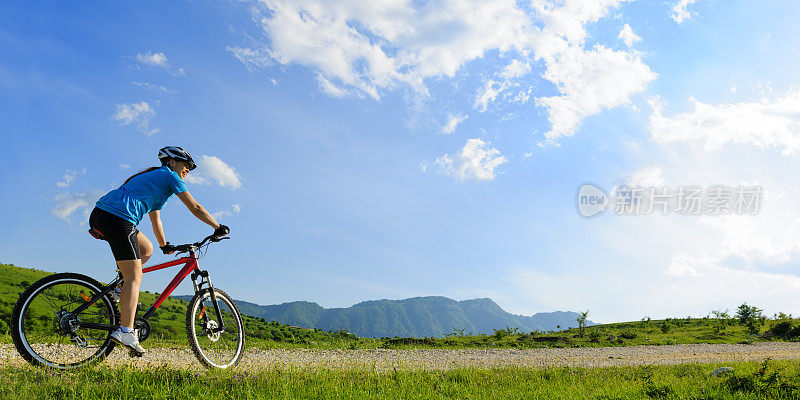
184 248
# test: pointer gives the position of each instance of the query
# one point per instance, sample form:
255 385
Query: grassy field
768 380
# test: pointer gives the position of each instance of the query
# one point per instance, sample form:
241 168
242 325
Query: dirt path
433 359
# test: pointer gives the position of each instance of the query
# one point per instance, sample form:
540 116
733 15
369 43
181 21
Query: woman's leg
145 247
132 275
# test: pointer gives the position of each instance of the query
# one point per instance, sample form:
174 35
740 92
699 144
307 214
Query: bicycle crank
143 328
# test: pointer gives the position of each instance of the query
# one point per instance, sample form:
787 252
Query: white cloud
235 209
452 122
211 169
694 286
683 264
69 177
127 113
627 36
159 60
487 94
509 77
765 124
359 48
123 166
155 88
515 70
680 11
330 88
153 59
67 204
253 60
706 262
590 81
474 161
650 176
138 114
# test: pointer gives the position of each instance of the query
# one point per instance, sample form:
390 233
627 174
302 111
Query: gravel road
433 359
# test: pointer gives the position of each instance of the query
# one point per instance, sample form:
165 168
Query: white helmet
177 153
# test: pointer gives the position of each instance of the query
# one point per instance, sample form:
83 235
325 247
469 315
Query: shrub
628 335
767 381
784 330
499 333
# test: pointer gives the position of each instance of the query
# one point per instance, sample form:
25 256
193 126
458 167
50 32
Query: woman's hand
167 248
221 231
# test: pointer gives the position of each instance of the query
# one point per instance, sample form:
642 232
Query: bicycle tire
215 351
35 318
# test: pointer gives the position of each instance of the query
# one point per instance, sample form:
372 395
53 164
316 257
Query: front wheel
213 347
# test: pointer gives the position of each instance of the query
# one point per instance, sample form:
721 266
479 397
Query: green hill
432 316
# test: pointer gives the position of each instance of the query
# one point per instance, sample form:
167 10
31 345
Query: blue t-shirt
144 193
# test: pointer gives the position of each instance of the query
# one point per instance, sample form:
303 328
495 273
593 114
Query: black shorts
119 233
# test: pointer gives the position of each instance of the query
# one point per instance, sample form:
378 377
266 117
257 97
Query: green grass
773 380
678 331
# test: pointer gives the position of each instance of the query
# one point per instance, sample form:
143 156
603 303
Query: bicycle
65 320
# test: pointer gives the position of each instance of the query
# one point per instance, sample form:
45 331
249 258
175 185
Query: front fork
205 280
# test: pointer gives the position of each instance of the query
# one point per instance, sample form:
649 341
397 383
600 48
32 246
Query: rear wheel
214 348
46 331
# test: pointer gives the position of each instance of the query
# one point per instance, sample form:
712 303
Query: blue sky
398 149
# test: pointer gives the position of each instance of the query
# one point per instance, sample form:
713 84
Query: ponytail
139 173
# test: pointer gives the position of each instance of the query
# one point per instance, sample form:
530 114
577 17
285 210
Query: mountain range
432 316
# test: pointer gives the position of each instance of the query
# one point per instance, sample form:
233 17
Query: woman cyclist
117 214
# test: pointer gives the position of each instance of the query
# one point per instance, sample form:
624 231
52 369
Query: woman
117 214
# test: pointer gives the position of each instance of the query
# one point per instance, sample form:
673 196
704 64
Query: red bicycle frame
191 265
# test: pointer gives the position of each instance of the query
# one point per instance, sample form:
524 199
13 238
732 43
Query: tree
582 322
751 317
746 314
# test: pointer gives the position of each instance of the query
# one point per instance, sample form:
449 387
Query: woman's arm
197 210
158 230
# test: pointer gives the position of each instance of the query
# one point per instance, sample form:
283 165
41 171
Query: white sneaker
128 339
